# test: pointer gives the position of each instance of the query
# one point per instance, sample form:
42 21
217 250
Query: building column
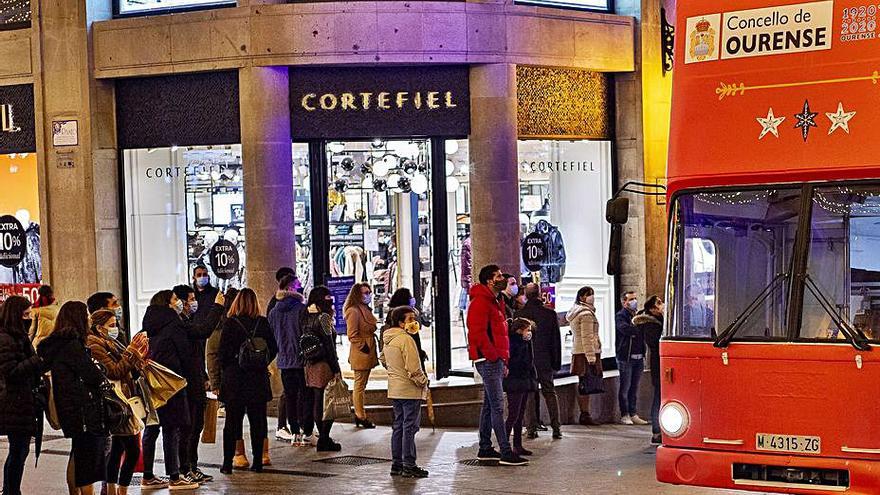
268 175
494 176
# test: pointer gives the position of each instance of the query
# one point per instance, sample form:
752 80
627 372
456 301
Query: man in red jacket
489 349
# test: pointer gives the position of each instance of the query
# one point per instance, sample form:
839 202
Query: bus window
843 263
736 247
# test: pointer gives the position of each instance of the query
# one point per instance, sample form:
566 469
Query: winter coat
212 357
547 337
406 379
205 297
170 347
43 322
197 329
76 385
630 341
554 268
487 326
361 328
521 375
511 305
20 370
652 328
322 325
284 320
241 386
585 330
118 365
423 356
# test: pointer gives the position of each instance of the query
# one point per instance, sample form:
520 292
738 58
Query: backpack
253 354
310 344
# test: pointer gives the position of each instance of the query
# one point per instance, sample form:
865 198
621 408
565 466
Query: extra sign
778 30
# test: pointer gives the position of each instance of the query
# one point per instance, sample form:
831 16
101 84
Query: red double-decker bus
771 359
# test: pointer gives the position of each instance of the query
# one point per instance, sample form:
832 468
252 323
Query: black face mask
500 285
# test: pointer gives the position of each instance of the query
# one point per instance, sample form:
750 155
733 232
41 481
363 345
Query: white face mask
412 302
203 281
633 305
178 306
367 298
513 289
113 332
193 307
527 336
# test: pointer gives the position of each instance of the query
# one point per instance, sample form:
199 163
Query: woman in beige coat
361 328
586 349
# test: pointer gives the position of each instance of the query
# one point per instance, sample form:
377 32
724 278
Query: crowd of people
72 362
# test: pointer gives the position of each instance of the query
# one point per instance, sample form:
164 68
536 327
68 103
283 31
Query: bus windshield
733 248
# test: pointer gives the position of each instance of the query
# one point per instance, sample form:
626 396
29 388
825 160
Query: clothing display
554 268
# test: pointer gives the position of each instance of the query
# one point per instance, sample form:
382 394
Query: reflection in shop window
563 187
21 267
698 311
458 218
184 208
151 6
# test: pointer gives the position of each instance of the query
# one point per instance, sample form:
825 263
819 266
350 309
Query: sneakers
542 427
284 435
297 440
414 472
190 478
531 434
182 484
520 451
557 433
154 483
200 476
656 439
636 420
513 460
626 420
240 461
488 455
396 470
306 440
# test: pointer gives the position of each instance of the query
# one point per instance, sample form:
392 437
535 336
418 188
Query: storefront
21 269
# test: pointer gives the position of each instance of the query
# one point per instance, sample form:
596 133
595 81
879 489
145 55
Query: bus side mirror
614 248
617 210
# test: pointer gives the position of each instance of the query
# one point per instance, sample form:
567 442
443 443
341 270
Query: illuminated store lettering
384 100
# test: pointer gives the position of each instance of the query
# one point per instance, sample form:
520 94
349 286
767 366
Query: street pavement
608 459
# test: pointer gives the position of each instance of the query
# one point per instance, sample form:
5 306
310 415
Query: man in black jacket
204 291
547 345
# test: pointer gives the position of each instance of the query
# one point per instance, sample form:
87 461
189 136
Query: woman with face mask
317 321
122 365
586 349
361 329
513 300
521 380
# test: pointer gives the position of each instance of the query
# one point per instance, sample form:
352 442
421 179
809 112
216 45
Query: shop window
461 274
563 188
184 208
21 269
15 14
140 7
302 215
603 5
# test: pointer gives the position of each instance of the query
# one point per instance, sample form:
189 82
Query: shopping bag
275 379
162 383
209 434
337 400
51 411
151 417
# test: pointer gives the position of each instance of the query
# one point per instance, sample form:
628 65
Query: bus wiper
727 335
855 336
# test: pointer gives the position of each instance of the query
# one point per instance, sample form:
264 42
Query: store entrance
382 227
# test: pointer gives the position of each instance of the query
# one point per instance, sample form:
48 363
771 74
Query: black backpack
310 343
253 354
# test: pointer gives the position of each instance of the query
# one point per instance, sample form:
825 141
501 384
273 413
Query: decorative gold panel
562 103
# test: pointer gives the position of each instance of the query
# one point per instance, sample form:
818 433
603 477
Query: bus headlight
674 419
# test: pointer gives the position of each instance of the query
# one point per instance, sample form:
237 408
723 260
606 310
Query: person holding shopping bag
407 388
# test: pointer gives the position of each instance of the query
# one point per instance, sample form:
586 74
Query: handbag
162 383
592 382
116 412
318 375
337 400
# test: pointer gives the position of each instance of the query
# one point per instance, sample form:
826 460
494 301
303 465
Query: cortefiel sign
778 30
369 102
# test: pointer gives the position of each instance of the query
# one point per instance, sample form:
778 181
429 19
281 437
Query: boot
240 461
584 405
266 461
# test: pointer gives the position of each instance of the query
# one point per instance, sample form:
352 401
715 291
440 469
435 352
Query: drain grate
353 460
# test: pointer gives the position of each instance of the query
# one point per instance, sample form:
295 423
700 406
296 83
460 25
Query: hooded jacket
20 369
76 385
43 322
487 326
547 339
284 319
170 347
584 330
400 357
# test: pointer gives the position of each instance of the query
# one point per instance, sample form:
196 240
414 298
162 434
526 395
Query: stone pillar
268 175
81 240
494 174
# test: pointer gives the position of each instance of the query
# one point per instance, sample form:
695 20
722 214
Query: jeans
13 469
361 377
516 409
655 411
492 413
151 434
171 446
407 416
191 436
300 401
548 390
630 376
129 446
232 430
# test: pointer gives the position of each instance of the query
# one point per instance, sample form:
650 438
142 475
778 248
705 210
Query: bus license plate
788 443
